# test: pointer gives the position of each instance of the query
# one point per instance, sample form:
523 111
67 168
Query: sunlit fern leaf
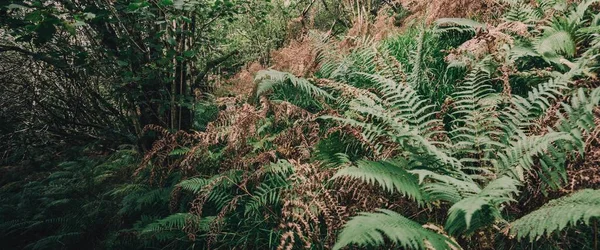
451 187
481 209
555 45
267 79
459 24
283 167
177 222
369 229
556 215
389 175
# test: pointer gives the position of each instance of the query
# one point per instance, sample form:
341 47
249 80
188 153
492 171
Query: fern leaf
268 193
177 222
480 210
519 157
267 79
369 229
389 175
582 206
451 187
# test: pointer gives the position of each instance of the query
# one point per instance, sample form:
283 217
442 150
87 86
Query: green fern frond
394 122
268 79
525 13
370 133
128 189
268 193
416 75
177 222
407 105
524 110
476 125
481 210
179 151
197 185
389 175
582 206
578 115
281 167
369 229
552 47
459 24
451 187
518 159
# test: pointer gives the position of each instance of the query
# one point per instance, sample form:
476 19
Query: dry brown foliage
431 10
242 83
307 205
310 202
298 58
382 27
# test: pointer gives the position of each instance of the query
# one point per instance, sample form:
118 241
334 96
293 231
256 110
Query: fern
408 105
268 193
578 116
402 116
518 159
582 206
481 209
282 167
197 185
369 229
476 126
177 222
459 24
519 115
389 175
268 79
451 187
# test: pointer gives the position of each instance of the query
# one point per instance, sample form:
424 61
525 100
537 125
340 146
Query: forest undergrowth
397 125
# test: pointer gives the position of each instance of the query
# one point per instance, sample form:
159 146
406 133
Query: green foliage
389 175
268 79
395 127
582 206
369 229
177 222
481 209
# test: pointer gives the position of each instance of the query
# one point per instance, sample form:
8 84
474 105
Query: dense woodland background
291 124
